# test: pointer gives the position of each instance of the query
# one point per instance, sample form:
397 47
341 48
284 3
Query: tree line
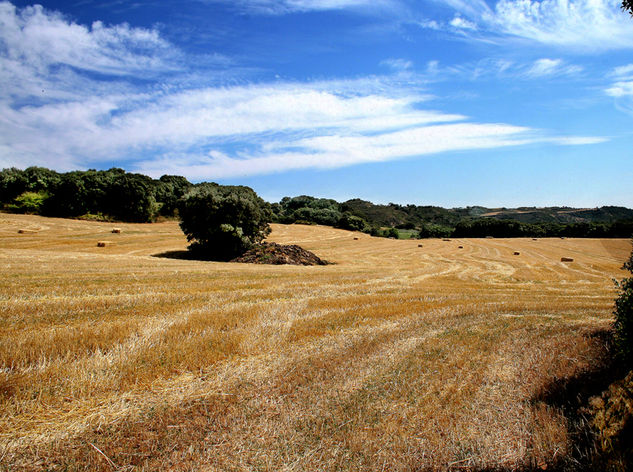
115 194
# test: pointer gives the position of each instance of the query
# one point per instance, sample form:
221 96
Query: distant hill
415 216
564 215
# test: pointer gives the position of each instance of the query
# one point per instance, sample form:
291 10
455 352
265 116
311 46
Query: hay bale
355 239
27 231
116 230
420 245
566 259
460 247
517 253
445 239
534 239
102 244
563 237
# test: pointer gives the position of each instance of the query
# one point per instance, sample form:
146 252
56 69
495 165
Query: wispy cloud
206 132
504 69
621 89
551 67
397 64
583 25
279 7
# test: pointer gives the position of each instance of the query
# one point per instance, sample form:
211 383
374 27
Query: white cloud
620 89
397 64
584 25
550 67
623 71
41 39
203 132
278 7
460 23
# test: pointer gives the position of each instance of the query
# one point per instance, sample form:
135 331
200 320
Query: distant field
396 358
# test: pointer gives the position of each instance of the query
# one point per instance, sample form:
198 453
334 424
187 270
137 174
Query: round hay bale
566 259
534 239
420 245
460 247
446 239
355 239
517 253
116 230
102 244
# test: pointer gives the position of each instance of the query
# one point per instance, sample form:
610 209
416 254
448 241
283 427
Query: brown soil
278 254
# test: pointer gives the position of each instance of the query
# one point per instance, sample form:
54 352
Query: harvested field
391 359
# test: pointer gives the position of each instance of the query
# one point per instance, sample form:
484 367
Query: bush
223 222
28 202
624 316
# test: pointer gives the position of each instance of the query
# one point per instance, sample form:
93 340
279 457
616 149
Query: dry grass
396 358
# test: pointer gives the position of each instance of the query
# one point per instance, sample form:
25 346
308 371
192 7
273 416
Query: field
397 357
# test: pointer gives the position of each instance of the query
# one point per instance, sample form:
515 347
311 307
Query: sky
429 102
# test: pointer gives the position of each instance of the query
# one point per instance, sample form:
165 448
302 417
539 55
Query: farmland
395 357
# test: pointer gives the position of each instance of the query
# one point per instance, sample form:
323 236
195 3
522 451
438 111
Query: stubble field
395 358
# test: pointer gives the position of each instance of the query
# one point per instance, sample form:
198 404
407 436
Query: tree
29 202
131 198
627 5
12 183
624 316
223 222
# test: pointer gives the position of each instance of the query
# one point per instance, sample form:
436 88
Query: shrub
28 202
223 222
624 316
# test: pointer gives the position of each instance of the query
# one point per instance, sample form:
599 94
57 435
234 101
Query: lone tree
624 316
223 222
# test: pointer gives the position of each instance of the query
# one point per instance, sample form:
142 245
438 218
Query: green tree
628 6
131 198
169 189
223 222
352 223
12 183
29 202
624 315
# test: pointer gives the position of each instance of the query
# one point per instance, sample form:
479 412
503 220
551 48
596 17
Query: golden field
395 358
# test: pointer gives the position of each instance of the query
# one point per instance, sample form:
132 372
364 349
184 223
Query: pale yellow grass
394 358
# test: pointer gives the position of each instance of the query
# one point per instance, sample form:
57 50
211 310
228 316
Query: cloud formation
280 7
586 26
71 102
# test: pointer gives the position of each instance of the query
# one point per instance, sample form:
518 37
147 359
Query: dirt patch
278 254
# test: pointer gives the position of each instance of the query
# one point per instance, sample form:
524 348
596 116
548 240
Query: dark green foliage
168 190
352 223
130 198
628 6
392 233
28 202
40 179
12 183
430 230
491 227
624 316
223 222
69 197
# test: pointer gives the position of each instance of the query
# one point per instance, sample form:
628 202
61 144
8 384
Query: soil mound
273 253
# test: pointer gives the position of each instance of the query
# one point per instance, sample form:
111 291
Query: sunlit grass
394 358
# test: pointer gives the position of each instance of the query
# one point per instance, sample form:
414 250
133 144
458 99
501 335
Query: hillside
416 216
395 357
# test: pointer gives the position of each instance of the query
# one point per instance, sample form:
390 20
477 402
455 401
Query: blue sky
445 102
